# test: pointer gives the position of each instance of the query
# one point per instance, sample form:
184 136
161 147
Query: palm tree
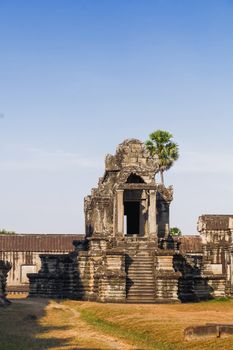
167 151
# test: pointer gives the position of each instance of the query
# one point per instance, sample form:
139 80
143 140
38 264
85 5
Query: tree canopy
5 232
160 145
175 231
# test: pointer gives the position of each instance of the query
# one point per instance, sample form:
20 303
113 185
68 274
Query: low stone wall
209 330
56 277
5 267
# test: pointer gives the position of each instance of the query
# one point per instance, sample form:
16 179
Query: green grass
143 338
220 300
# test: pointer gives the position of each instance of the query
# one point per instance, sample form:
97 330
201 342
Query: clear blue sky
78 77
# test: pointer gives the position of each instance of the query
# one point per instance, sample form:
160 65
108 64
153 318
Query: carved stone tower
127 254
127 222
127 201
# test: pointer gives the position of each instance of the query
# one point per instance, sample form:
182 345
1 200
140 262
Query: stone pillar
143 215
142 218
120 212
167 230
152 214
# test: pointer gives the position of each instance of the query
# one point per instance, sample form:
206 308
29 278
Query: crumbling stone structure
217 232
4 269
127 254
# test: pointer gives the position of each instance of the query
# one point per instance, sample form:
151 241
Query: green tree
175 231
5 232
160 144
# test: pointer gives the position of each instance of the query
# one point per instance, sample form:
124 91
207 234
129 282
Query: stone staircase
140 282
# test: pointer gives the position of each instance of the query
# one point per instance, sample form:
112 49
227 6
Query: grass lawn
43 324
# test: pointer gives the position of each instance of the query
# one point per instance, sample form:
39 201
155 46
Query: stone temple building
127 254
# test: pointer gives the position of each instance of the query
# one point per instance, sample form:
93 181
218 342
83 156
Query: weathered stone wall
5 267
17 280
112 278
23 252
216 233
193 284
166 277
56 278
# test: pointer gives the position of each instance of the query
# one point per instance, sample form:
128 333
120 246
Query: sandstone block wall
5 267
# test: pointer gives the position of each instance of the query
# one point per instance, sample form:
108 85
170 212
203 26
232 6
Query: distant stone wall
23 252
5 267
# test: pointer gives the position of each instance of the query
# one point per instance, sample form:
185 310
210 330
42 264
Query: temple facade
127 254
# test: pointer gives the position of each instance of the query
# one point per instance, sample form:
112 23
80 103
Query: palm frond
161 145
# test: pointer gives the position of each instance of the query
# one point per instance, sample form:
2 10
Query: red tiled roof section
38 243
215 222
190 244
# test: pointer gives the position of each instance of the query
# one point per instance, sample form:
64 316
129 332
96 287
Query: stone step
142 291
140 272
147 288
139 269
139 284
140 263
138 252
140 301
144 261
136 278
136 282
140 297
140 288
139 257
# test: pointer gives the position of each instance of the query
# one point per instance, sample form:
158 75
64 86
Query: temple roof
214 222
190 244
38 242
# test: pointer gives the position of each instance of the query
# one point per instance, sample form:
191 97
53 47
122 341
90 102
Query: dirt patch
86 333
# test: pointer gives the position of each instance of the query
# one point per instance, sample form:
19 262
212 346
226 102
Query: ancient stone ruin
127 254
4 269
216 232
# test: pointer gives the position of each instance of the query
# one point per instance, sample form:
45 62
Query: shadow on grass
21 328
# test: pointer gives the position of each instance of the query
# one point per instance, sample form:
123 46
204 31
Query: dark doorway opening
134 179
132 213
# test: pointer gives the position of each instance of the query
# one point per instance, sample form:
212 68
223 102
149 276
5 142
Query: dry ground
31 324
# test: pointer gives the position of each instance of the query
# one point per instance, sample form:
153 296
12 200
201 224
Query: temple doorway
132 217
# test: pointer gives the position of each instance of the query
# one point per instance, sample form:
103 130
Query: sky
78 77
